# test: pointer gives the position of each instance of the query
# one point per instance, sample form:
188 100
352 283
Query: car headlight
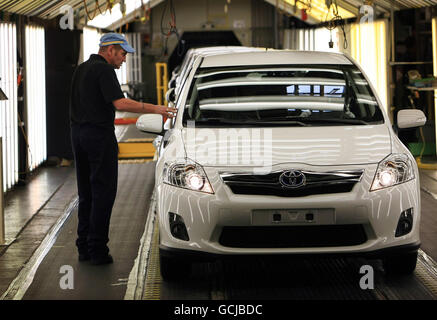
188 175
393 170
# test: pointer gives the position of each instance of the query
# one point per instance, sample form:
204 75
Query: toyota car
284 153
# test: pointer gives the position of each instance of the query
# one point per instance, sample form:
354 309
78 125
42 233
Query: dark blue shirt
94 87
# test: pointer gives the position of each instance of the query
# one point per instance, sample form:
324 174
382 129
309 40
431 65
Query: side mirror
170 96
150 123
411 118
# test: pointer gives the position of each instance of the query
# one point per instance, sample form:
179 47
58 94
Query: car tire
173 269
400 264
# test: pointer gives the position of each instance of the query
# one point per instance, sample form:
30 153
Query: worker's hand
168 112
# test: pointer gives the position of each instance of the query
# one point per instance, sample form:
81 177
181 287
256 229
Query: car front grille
269 184
293 236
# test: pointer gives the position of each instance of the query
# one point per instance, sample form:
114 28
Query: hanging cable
336 21
108 6
167 32
96 7
146 10
123 14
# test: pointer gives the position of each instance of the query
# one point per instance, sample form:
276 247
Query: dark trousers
96 157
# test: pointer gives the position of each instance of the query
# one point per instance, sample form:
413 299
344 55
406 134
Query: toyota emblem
292 179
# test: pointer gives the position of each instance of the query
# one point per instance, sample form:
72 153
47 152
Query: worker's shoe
102 260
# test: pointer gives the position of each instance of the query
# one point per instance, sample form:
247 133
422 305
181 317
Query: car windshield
281 96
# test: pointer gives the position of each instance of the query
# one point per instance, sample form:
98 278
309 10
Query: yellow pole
165 80
158 83
161 82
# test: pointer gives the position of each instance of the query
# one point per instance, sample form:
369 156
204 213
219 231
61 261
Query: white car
179 76
284 153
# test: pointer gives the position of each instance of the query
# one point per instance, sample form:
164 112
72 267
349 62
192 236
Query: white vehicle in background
179 75
284 153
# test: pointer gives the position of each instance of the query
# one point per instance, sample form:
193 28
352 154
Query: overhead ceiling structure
49 9
346 8
316 11
46 9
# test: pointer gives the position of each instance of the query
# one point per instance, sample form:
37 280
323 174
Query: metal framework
49 9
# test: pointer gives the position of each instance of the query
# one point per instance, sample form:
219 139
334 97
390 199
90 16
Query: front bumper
200 256
206 216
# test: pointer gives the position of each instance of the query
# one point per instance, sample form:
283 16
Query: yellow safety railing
161 82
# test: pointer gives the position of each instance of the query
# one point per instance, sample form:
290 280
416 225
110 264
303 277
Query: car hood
323 145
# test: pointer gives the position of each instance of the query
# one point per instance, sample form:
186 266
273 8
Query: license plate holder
293 216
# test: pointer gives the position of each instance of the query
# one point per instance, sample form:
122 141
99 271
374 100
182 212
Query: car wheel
173 269
400 264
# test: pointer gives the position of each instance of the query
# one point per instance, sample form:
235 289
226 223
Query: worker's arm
130 105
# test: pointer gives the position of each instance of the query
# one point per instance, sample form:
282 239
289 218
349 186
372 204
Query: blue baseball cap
115 38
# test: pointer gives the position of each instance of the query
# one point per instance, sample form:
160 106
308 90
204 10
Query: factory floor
41 221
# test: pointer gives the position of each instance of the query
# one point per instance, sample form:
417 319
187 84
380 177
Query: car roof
203 52
274 57
194 53
206 50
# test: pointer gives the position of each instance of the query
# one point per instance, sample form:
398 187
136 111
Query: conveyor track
290 279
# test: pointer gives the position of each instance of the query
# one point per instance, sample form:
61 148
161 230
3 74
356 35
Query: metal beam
41 12
131 16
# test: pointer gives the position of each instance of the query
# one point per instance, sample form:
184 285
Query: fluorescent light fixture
303 69
36 98
8 103
108 18
434 60
246 81
252 106
91 39
368 47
